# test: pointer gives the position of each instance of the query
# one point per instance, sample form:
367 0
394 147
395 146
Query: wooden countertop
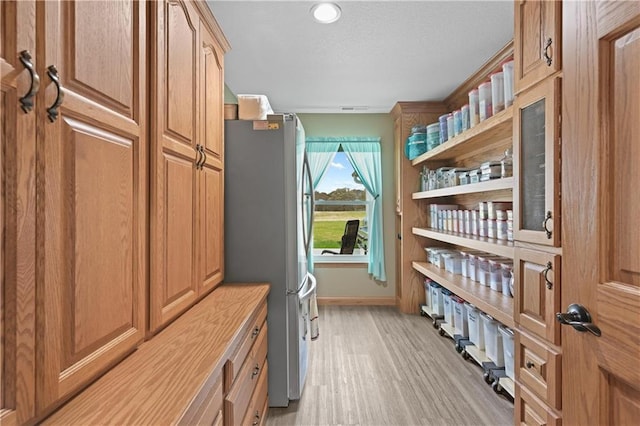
156 383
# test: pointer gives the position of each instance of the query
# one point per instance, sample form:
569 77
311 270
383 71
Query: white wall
339 280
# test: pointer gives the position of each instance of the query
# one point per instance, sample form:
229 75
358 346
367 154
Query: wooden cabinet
17 212
180 376
537 292
92 162
537 41
536 153
74 213
537 221
186 162
409 284
211 178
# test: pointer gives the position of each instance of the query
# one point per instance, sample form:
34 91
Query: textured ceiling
378 53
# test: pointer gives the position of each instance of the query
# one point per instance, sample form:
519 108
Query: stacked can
509 225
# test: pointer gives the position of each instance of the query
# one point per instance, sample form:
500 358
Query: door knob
579 318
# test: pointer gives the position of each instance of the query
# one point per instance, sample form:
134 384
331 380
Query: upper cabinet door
212 95
17 211
94 161
174 158
211 176
536 166
537 44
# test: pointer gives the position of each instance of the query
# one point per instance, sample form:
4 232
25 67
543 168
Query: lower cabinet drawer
530 411
539 368
256 412
238 398
233 365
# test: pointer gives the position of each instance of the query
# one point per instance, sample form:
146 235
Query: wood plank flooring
373 365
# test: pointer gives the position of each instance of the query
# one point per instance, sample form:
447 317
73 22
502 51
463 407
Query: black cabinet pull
26 102
545 271
199 161
52 111
255 331
545 53
204 157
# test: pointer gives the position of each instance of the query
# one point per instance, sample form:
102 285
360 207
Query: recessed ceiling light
326 13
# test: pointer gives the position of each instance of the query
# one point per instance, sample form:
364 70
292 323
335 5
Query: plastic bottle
484 100
474 108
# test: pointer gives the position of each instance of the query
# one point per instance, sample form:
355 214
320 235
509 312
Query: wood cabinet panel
107 77
537 41
211 88
17 217
539 369
180 63
94 203
211 227
537 292
174 134
530 411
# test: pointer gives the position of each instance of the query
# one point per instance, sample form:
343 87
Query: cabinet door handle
52 111
545 223
256 370
545 271
204 157
256 422
545 53
255 331
199 157
26 102
529 364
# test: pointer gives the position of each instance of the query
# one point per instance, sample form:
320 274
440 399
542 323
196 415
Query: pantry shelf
488 245
472 188
490 301
484 135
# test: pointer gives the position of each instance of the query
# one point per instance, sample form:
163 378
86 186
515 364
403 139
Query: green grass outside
329 227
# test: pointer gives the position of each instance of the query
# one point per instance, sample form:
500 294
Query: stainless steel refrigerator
267 232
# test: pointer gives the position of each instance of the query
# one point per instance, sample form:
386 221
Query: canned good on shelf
442 121
492 206
501 229
491 228
450 127
457 122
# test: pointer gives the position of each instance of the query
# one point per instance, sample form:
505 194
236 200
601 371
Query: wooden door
537 41
211 183
174 134
601 232
92 268
17 212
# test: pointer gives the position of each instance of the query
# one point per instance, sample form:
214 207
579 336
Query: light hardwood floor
373 365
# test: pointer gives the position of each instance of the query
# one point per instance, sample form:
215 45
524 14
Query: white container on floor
492 340
437 306
448 306
508 350
476 332
460 317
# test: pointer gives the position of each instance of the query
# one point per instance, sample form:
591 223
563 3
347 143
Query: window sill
357 258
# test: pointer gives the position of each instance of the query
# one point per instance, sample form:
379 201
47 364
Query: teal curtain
365 158
320 153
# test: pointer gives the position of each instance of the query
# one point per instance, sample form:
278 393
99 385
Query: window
340 197
347 180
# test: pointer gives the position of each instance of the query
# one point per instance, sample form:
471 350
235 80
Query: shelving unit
485 134
472 188
488 245
490 301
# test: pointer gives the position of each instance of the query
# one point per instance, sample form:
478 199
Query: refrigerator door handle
307 294
309 231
